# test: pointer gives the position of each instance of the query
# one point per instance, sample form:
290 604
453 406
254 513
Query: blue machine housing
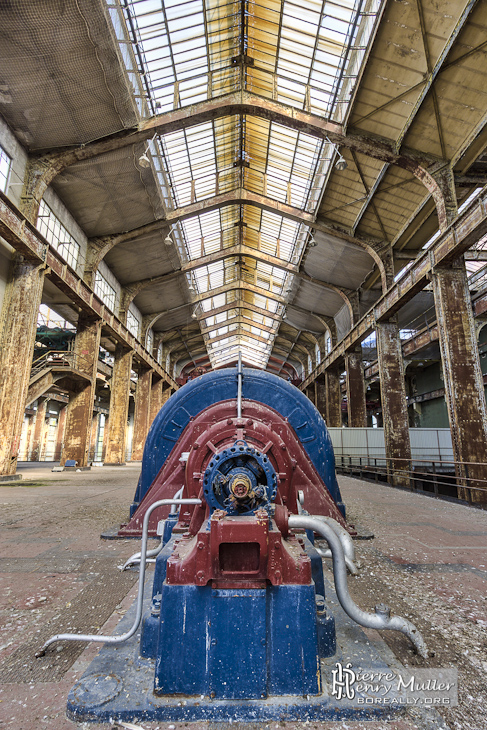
220 385
237 643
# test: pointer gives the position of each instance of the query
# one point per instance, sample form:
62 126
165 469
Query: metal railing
59 358
445 479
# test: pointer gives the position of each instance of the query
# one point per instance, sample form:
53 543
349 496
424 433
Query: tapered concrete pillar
320 390
393 401
119 406
142 413
17 336
357 415
155 397
61 425
333 399
464 390
39 429
79 417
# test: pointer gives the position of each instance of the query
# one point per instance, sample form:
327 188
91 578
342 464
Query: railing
59 358
462 481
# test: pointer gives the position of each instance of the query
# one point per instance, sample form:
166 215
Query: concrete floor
428 561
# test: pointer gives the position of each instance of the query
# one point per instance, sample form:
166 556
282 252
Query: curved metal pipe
135 558
140 594
382 618
346 541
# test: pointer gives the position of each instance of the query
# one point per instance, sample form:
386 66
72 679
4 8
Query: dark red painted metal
215 429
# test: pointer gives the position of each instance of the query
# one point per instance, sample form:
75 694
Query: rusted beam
333 398
469 226
240 103
99 247
80 407
320 396
20 234
394 403
464 389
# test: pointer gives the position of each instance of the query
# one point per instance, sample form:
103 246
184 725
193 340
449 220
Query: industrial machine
236 622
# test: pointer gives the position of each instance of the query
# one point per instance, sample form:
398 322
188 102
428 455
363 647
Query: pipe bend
140 593
381 619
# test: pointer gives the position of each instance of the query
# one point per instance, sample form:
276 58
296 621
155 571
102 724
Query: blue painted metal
221 385
239 459
237 643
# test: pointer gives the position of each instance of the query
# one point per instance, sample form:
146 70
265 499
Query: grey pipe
346 542
382 618
135 558
140 594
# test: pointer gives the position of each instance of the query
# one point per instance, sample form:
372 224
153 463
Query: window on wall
5 165
133 323
149 342
53 230
159 354
105 291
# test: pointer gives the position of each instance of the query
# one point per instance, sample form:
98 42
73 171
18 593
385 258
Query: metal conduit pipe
135 558
140 593
346 541
382 618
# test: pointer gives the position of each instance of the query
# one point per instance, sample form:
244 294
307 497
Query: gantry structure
281 179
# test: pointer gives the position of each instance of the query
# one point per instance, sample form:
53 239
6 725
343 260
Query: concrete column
142 413
119 406
464 390
80 407
17 336
333 399
39 428
393 401
320 390
61 425
357 417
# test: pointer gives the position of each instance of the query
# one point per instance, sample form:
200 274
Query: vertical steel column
155 397
39 428
357 415
61 425
394 404
79 416
167 392
320 389
333 398
464 389
142 413
119 406
310 392
17 336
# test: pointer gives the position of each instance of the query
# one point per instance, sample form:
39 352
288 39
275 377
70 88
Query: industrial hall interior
243 291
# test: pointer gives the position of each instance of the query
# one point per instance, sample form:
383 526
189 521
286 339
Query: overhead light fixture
312 242
341 164
168 240
144 160
194 315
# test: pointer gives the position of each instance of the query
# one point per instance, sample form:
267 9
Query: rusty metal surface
142 413
464 389
333 398
357 414
81 401
470 225
393 401
119 406
20 234
18 329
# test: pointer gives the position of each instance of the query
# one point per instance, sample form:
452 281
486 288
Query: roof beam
46 164
469 226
